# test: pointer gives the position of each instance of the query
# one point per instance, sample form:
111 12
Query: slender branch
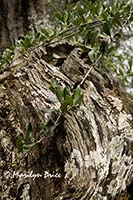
93 24
46 136
85 77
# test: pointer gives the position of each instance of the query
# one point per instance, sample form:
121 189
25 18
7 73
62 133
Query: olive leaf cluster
67 98
98 27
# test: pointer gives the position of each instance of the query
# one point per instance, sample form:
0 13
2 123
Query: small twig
97 60
85 77
46 136
57 120
39 141
34 144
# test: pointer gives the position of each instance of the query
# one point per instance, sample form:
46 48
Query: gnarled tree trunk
89 154
91 148
16 18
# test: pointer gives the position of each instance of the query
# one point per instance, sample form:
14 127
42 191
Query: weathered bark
92 145
16 17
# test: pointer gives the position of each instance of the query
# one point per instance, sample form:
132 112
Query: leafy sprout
67 98
23 143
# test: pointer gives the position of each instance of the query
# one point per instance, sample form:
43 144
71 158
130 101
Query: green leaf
66 15
59 95
106 28
66 103
20 144
64 106
84 47
52 89
58 15
44 33
116 19
27 146
28 132
66 92
79 100
51 99
99 8
105 16
111 50
91 55
69 100
45 127
79 21
121 72
77 95
130 62
53 83
94 37
27 42
53 86
80 10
